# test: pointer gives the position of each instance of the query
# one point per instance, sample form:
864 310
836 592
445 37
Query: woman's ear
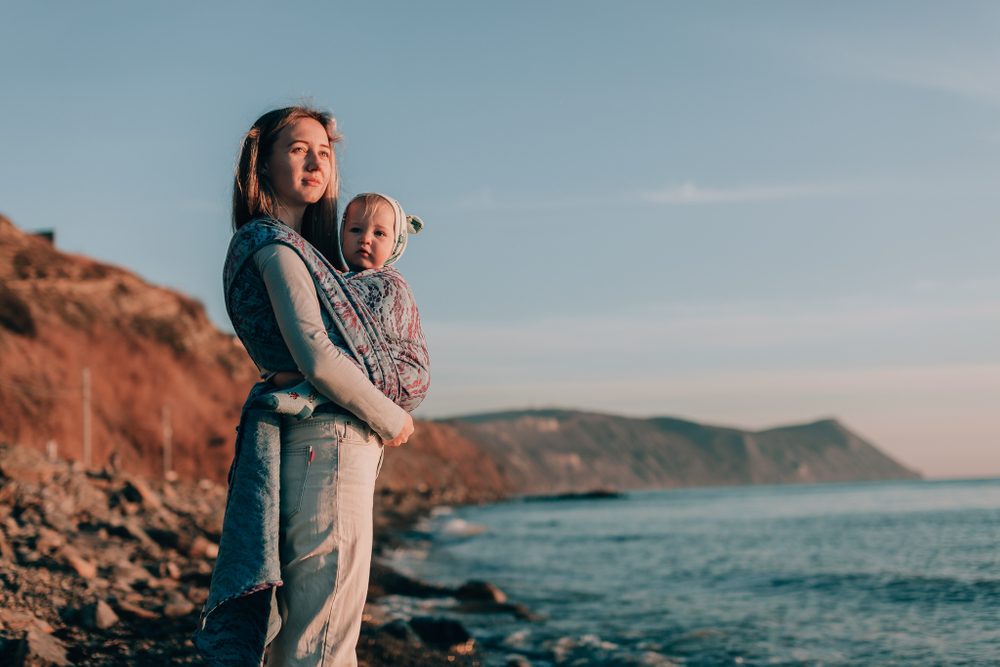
414 224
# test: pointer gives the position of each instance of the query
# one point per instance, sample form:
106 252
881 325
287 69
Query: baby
373 236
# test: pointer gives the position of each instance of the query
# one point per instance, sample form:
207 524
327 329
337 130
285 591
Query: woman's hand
404 434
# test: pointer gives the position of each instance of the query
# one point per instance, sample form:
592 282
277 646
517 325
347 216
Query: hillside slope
146 348
559 451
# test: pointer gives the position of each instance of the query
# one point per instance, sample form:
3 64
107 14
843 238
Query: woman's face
301 164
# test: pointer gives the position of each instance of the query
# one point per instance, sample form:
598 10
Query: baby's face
369 235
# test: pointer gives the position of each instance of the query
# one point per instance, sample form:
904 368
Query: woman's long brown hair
253 195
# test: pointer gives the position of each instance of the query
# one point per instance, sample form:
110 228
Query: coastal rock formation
146 348
562 451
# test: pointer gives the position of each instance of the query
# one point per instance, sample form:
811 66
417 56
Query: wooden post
168 454
86 418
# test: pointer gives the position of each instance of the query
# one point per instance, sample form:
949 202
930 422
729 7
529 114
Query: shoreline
102 567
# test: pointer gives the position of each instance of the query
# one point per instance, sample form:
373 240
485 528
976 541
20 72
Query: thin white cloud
686 193
939 65
975 78
691 193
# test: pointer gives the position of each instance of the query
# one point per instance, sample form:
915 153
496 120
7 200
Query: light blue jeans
328 468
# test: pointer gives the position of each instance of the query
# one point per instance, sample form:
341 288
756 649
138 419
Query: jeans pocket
294 469
381 458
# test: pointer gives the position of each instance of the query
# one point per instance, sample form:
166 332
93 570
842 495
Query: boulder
401 630
480 590
177 605
38 649
440 631
98 615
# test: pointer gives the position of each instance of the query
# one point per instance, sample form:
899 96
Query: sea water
904 573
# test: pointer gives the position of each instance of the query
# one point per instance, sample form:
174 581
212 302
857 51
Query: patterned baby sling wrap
370 316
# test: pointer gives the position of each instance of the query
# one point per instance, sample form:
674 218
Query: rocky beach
102 567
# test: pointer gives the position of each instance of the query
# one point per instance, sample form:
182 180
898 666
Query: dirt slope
146 348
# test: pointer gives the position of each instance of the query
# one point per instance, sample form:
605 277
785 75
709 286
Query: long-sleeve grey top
296 307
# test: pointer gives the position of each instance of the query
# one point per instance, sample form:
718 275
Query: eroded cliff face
146 347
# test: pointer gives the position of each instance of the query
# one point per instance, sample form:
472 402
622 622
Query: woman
314 540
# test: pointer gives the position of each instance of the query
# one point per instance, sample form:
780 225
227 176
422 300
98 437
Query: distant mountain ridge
559 451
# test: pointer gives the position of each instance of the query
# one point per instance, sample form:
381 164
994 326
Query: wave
896 589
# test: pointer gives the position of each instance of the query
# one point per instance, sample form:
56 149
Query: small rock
38 649
98 615
168 539
401 630
19 621
83 567
518 661
49 540
197 595
5 551
60 521
480 590
133 529
137 491
181 608
135 610
202 547
441 631
177 605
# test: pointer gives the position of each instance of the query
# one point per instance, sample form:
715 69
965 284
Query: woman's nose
313 162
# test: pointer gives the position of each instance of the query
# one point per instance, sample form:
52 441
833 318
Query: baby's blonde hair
369 202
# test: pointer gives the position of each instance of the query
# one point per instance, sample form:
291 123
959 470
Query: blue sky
745 213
